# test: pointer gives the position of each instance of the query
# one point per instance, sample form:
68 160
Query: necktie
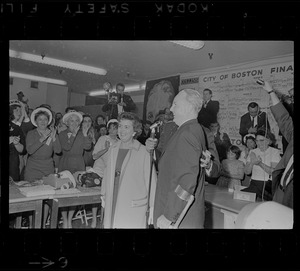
286 176
252 122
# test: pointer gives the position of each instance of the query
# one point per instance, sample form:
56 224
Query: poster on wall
159 95
236 87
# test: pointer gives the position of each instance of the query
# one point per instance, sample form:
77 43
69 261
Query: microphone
156 124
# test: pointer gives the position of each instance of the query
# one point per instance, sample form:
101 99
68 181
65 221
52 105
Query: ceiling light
97 92
127 89
37 78
56 62
192 44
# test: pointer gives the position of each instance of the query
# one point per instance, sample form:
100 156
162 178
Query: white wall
54 95
57 97
36 97
77 99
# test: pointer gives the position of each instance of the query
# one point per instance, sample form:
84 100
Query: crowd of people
155 175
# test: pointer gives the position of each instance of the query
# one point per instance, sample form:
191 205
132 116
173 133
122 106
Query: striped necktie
288 173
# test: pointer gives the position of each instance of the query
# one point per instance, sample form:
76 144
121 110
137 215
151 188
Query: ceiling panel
133 62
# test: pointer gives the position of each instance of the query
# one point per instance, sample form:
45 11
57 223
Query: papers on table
28 184
39 190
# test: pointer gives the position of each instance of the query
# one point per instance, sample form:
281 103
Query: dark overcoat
246 123
286 127
180 175
209 114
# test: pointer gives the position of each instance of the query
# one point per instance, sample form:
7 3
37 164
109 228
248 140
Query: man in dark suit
180 176
213 167
209 111
288 103
253 120
123 102
283 174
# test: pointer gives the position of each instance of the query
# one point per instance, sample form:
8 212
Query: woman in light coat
126 179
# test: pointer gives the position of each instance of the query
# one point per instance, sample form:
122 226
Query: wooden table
19 203
222 209
85 197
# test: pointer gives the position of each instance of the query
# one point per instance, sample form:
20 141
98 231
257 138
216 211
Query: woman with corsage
126 179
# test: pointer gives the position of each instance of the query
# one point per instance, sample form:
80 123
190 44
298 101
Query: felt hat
39 109
20 93
67 115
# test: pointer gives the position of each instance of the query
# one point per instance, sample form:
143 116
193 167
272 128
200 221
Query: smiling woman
40 144
126 179
74 141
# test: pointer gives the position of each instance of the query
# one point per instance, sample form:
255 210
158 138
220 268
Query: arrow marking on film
49 262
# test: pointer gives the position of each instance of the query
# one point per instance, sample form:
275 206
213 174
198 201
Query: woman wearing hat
16 140
40 144
100 153
126 178
21 118
73 141
260 164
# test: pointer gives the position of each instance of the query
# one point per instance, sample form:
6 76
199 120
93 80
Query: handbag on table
88 178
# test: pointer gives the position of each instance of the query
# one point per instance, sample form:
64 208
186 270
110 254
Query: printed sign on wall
236 87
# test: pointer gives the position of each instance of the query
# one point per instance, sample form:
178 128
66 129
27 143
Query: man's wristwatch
271 91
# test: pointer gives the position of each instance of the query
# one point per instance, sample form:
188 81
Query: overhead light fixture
192 44
97 92
56 62
37 78
127 89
